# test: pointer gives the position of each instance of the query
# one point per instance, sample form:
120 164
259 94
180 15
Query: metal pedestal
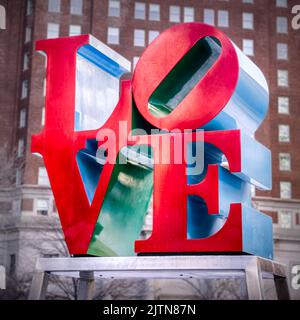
155 267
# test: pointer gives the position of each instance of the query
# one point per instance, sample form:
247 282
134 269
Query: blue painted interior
200 223
89 168
256 163
77 120
101 60
245 110
257 233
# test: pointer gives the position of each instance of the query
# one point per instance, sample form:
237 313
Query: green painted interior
124 208
138 121
184 76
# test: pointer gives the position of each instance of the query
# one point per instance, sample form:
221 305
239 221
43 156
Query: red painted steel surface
169 233
207 98
59 143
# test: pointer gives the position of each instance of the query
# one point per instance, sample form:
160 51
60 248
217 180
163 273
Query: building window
248 47
28 35
43 179
26 61
152 35
285 190
135 61
188 14
209 16
76 7
284 133
282 51
18 177
139 38
281 3
29 7
285 219
12 264
74 30
114 8
43 117
54 5
140 11
247 20
223 18
154 12
174 14
53 30
22 120
283 105
16 206
42 207
284 162
282 25
24 93
21 144
247 1
113 35
282 78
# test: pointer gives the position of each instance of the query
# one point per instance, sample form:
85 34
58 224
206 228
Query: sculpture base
163 267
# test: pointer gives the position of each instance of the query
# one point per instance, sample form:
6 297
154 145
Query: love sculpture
190 77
